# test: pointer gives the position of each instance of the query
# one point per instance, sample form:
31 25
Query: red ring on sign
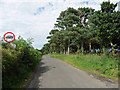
9 33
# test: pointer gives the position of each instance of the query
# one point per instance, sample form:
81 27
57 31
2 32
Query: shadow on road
35 80
43 69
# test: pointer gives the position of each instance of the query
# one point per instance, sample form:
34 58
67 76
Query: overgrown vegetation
93 63
19 59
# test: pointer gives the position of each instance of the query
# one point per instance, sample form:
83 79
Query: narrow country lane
53 73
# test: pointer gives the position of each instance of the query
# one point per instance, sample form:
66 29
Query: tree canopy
83 29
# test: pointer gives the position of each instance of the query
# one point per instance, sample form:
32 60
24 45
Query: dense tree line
84 30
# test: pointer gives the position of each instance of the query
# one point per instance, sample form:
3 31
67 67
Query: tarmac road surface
53 73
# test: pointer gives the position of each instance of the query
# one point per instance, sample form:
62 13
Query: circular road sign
9 37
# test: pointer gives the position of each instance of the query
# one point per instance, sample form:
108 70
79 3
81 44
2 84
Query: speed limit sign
9 37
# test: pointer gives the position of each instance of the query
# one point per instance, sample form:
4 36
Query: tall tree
84 14
107 22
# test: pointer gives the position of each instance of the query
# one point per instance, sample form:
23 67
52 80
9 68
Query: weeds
102 65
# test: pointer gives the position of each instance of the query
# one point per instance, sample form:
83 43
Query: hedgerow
19 59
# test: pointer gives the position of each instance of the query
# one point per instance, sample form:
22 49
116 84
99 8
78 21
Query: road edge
93 75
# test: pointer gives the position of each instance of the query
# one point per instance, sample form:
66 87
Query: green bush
18 62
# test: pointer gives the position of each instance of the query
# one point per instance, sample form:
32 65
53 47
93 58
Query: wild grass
93 63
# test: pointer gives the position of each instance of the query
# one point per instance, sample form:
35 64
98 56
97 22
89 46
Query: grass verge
92 63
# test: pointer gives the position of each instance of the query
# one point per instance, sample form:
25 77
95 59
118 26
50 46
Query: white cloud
23 17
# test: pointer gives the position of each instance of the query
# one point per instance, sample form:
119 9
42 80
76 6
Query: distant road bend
53 73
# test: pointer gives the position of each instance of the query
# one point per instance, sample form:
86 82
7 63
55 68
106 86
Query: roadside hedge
19 59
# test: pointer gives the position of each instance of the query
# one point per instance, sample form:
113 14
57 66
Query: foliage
101 65
85 29
19 59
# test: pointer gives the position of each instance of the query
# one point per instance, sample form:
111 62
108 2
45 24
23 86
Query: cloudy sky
35 18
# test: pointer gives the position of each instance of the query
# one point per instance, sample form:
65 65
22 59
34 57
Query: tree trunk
61 52
64 51
90 45
68 49
78 47
82 48
82 23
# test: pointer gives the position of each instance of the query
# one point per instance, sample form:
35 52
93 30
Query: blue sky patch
40 9
85 2
50 4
